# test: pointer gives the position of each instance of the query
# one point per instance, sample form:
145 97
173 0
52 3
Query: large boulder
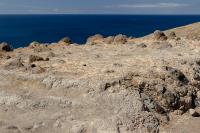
65 41
172 35
38 47
5 47
37 70
109 40
95 39
33 58
34 44
159 36
141 45
14 64
120 39
193 113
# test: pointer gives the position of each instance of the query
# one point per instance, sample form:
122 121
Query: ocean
20 30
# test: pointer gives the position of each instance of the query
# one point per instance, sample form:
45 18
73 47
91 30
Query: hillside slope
109 85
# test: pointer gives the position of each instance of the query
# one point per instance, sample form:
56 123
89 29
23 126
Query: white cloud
153 5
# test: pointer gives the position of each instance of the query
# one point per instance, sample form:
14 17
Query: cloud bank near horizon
152 5
99 7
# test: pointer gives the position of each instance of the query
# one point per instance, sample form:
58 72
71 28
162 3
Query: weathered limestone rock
38 47
109 40
37 70
5 47
159 36
120 39
193 113
198 94
33 58
172 35
14 64
176 74
65 41
34 44
141 45
95 39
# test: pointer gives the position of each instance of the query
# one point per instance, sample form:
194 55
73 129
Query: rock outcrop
38 47
109 40
5 47
92 40
120 39
99 39
159 35
172 35
14 64
65 41
33 58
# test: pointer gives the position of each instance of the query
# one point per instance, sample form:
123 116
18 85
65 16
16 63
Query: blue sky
99 6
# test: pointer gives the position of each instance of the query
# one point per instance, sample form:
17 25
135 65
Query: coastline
20 31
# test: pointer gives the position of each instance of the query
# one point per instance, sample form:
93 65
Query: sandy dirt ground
109 85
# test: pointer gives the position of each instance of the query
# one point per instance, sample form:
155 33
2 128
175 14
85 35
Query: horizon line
97 14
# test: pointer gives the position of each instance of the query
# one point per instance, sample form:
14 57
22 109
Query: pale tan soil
190 31
99 88
182 124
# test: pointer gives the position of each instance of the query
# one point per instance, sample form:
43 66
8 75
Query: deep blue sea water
20 30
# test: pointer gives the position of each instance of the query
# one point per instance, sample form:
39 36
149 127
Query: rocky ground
109 85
